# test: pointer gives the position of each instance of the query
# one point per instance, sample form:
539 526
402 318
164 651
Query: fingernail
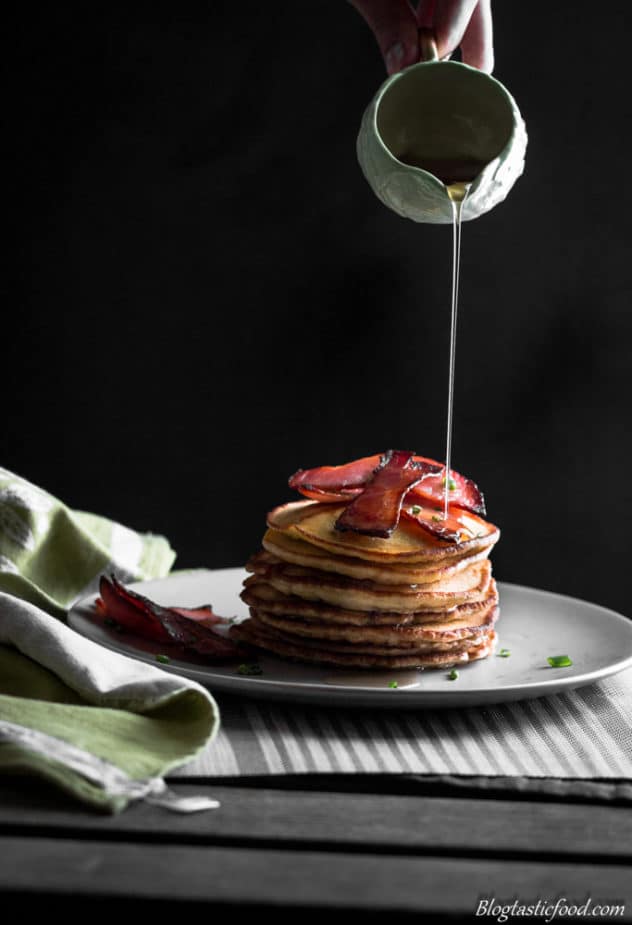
394 58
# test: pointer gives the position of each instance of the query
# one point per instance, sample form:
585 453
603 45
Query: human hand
464 23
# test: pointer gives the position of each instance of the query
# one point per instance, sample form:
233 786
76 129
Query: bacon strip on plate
189 628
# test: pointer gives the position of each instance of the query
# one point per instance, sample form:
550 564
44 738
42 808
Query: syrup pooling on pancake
367 573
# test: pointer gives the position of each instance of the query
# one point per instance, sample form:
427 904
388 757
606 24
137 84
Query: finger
477 45
394 26
451 19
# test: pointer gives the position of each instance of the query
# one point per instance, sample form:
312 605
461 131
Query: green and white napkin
52 555
102 726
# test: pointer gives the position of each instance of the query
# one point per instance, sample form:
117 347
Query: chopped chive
250 669
392 684
163 658
451 484
415 509
453 675
435 517
559 661
504 653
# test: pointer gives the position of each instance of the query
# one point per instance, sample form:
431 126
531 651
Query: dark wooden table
370 845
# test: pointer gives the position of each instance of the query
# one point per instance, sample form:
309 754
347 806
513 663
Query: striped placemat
583 734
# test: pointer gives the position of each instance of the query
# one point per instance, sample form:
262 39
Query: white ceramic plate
533 625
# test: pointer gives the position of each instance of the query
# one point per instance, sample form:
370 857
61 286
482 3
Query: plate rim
244 685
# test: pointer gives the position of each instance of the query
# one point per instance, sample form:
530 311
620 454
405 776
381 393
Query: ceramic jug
451 118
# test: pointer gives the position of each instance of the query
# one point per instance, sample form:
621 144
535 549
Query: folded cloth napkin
104 727
52 556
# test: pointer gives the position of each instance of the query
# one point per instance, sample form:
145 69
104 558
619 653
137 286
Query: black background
209 296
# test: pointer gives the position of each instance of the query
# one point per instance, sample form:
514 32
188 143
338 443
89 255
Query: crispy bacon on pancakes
368 573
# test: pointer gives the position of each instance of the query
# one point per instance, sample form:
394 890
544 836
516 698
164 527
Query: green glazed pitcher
437 123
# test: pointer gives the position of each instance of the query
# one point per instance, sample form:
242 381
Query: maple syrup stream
457 175
457 193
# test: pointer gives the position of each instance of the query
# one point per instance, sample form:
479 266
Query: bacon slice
335 483
450 529
343 483
204 615
131 611
344 494
189 628
462 492
375 512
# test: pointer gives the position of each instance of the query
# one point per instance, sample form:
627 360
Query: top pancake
313 522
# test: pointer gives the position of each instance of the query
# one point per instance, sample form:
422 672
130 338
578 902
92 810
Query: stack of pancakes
409 601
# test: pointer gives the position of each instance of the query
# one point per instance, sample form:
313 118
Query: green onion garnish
559 661
451 484
415 509
163 658
453 675
392 684
504 653
435 517
250 669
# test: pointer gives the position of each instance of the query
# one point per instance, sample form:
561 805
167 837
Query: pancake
254 633
299 552
467 586
259 594
438 635
314 522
